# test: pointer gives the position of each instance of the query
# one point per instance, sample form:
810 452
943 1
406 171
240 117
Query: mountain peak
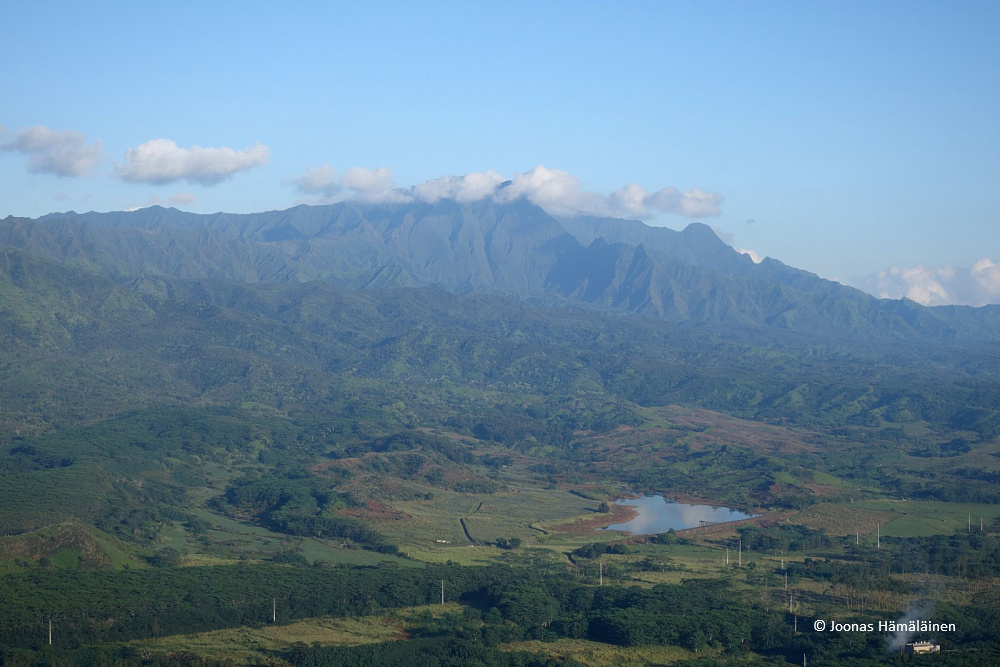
699 231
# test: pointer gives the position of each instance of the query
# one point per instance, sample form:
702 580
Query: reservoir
657 515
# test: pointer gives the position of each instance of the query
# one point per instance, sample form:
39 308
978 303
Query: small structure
920 647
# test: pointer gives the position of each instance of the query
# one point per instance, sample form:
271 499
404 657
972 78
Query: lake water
657 515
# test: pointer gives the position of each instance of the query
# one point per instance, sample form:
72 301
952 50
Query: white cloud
64 153
976 286
360 179
373 185
321 180
555 190
161 161
916 283
752 254
561 193
630 200
987 276
693 203
471 187
558 192
696 204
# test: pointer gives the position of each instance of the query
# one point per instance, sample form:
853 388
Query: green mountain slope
127 404
486 247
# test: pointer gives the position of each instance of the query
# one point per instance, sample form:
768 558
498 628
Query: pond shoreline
657 514
618 514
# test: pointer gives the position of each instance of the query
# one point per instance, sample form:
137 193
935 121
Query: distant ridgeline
513 248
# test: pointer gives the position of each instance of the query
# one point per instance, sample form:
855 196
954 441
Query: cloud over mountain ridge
555 190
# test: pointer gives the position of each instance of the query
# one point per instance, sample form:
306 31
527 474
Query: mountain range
515 249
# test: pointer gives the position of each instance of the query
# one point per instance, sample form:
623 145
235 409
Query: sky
856 140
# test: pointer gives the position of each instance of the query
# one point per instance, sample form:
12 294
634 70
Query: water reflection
656 515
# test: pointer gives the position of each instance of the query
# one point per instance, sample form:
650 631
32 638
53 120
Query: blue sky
856 140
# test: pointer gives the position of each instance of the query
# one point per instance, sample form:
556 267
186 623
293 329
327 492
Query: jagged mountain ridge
515 248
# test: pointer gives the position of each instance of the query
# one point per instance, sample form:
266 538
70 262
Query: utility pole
786 580
600 565
878 536
727 556
442 591
741 553
50 632
274 610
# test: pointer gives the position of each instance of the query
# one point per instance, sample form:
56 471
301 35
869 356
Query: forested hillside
515 248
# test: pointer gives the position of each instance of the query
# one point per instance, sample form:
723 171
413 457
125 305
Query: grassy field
487 517
828 479
909 518
602 655
228 539
244 645
839 519
70 545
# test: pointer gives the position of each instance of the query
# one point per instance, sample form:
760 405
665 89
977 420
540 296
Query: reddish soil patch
823 490
715 427
698 429
618 514
722 529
